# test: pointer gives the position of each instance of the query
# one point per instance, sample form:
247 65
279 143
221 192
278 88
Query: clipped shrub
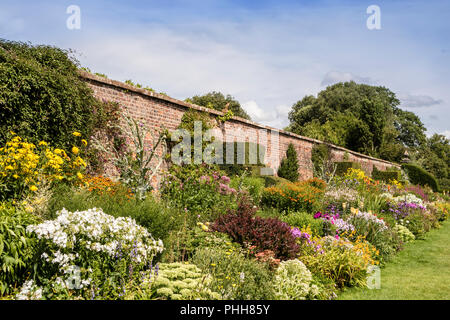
246 155
420 176
16 247
343 166
289 165
263 233
386 176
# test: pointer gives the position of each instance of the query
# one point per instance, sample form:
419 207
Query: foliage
149 213
200 189
323 166
24 166
16 247
100 248
234 275
337 260
343 167
386 176
292 196
253 185
263 233
303 220
217 101
177 281
139 165
246 156
293 281
404 233
418 175
289 166
42 96
359 117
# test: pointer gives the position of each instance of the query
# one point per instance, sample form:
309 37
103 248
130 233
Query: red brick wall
162 111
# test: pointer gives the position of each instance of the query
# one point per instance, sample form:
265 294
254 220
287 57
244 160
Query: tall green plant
289 166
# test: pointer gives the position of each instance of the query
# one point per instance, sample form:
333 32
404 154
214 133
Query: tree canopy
359 117
218 101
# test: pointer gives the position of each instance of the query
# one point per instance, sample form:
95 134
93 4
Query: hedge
342 167
418 175
386 176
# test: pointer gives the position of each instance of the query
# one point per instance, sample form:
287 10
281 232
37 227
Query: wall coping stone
114 83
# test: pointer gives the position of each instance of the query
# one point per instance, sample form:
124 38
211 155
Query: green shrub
234 276
254 186
342 167
42 95
404 233
289 165
156 216
386 176
270 181
199 189
16 247
418 175
304 219
239 165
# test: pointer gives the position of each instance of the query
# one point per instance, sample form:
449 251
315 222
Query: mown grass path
420 271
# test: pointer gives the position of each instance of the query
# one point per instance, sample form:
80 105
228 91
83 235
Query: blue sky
267 54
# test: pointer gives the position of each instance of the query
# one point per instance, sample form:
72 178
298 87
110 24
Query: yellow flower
16 176
75 150
9 168
80 176
42 143
77 134
33 188
84 142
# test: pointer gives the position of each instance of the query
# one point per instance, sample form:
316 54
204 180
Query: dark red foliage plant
263 233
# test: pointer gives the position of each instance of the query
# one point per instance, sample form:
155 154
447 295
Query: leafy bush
253 185
418 175
293 281
289 166
404 233
42 95
303 220
264 233
105 252
290 196
337 260
342 167
386 176
376 232
159 219
16 247
234 276
198 188
270 181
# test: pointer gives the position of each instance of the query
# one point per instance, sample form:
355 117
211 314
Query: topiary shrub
342 167
289 166
418 175
386 176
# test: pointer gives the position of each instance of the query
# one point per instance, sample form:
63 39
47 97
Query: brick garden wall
160 111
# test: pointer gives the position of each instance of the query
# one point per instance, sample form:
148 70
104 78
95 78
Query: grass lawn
420 271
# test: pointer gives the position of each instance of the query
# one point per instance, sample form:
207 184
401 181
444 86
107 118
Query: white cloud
337 76
417 101
446 133
277 117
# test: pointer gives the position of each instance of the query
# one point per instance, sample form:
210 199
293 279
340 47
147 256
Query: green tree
217 101
289 165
